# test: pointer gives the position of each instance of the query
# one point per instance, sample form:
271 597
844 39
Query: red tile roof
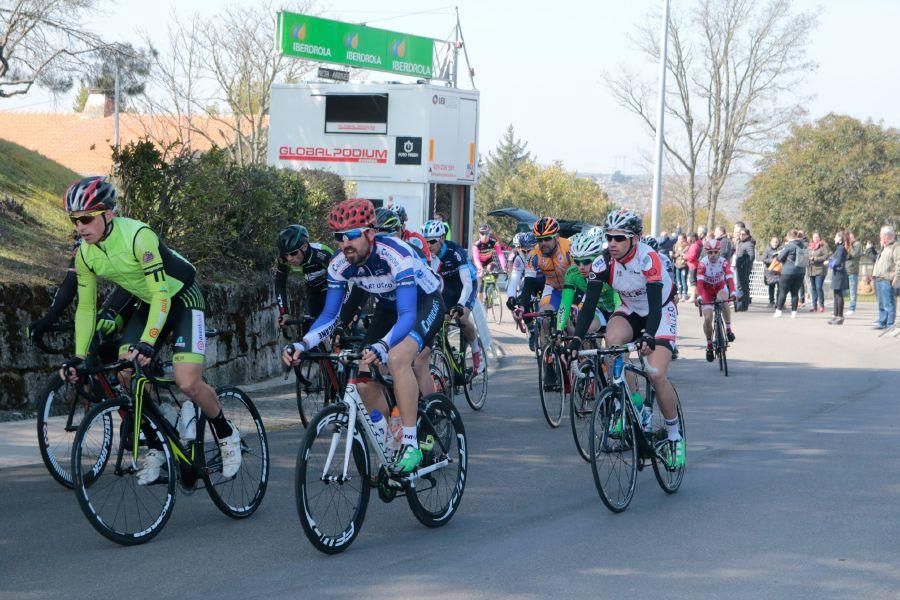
84 144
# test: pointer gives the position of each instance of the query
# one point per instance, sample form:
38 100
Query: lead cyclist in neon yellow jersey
129 253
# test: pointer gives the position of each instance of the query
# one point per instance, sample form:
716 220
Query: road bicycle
453 347
589 377
623 437
493 305
342 457
116 435
551 361
720 337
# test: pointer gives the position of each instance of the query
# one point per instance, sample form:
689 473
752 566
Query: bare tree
735 66
42 42
215 80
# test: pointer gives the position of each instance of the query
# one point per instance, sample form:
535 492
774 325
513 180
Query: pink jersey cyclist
485 248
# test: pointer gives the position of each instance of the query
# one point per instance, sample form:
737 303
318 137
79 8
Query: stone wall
247 350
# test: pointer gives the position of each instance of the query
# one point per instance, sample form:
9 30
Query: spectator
667 242
854 254
818 256
794 257
681 266
692 258
840 282
866 266
744 254
701 233
773 272
887 278
727 246
802 236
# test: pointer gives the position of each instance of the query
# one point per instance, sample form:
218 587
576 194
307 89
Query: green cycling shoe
407 460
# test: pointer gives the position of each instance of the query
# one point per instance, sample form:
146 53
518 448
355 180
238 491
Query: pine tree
500 166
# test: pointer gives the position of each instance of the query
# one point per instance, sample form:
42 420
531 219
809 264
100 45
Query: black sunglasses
617 238
583 261
432 241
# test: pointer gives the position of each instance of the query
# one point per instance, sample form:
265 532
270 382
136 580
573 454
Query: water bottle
168 411
187 422
395 430
379 424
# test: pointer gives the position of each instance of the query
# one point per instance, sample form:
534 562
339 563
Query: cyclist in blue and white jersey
522 244
449 260
390 269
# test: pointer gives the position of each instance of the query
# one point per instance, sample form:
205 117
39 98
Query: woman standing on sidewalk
681 266
818 256
792 274
840 282
856 251
692 259
772 276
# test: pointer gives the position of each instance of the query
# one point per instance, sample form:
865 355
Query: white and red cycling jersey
630 276
712 277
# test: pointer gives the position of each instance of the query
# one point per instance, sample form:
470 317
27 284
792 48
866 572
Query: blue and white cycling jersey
393 272
453 265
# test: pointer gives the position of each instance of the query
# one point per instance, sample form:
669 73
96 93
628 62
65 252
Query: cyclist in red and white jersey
647 315
715 281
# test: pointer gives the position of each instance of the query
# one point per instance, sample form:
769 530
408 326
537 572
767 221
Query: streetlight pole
660 120
116 108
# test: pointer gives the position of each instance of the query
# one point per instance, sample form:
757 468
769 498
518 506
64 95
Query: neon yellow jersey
132 257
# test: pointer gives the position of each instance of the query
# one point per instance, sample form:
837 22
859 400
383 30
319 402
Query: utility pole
660 121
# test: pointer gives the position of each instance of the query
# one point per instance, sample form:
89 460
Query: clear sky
538 64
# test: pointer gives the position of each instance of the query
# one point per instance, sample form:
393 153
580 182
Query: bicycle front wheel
60 412
238 496
441 373
476 384
435 496
107 487
331 506
613 450
552 388
581 408
311 389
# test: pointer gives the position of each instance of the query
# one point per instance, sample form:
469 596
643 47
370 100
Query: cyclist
388 268
647 314
388 222
522 244
297 253
715 281
585 250
451 264
550 258
413 238
130 254
666 261
486 253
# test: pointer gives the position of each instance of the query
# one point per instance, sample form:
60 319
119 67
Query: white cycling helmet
624 220
434 229
596 231
586 246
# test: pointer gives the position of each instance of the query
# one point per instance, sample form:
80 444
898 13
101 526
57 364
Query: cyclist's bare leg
618 332
189 379
406 389
422 369
726 306
659 359
467 326
707 320
372 395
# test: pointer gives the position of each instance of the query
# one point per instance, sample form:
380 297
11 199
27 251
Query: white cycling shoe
230 449
150 467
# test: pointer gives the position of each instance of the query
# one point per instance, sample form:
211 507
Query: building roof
85 144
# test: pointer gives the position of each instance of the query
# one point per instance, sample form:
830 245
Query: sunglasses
712 252
86 219
583 261
433 241
545 238
350 234
617 238
294 253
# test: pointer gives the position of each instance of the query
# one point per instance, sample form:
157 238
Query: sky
539 66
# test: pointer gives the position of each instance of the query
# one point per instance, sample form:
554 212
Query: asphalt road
791 491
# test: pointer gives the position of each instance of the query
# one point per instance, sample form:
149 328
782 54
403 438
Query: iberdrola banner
324 40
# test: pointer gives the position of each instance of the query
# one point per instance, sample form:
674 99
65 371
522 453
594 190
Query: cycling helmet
586 246
434 229
651 241
596 231
713 245
401 213
545 227
386 220
350 214
291 238
524 240
484 229
624 220
417 242
91 193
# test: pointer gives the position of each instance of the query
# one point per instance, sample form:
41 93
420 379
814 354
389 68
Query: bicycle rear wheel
60 412
475 388
613 450
331 508
239 496
581 407
669 478
553 394
106 487
441 373
434 497
311 386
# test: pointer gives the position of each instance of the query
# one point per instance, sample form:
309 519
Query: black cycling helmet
401 213
386 220
291 238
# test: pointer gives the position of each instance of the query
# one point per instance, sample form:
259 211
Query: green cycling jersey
132 257
574 287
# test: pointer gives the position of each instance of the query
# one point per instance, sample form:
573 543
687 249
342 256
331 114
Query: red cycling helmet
713 245
352 213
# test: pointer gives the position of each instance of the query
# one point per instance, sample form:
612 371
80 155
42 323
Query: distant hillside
34 231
